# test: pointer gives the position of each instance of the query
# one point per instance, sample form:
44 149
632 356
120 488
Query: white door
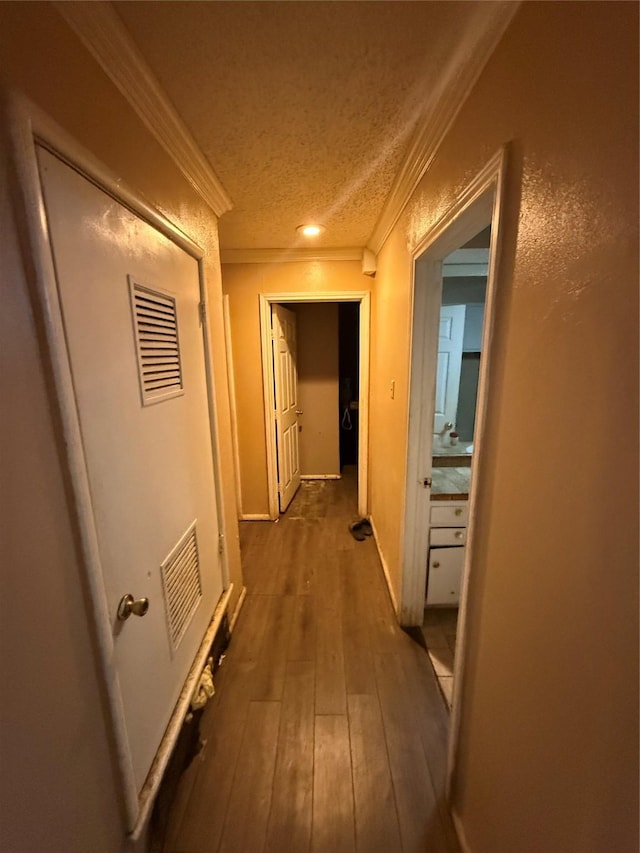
130 306
450 341
283 324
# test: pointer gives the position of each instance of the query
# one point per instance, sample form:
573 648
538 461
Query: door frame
28 127
266 300
480 204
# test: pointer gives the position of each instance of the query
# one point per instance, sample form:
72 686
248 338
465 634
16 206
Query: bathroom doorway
447 524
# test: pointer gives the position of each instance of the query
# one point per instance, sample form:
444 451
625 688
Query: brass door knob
128 605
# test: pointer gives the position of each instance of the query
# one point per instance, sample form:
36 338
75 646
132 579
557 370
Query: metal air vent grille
158 346
182 584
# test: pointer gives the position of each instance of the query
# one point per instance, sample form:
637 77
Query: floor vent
156 328
182 584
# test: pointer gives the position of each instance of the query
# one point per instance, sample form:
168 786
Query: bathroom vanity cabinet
447 539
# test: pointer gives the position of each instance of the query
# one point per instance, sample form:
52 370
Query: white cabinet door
444 576
130 306
286 392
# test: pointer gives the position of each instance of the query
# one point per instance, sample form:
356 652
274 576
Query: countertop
450 483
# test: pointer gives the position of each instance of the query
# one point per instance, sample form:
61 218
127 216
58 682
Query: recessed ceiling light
310 230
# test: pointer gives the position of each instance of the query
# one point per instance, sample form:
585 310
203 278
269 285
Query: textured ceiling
304 109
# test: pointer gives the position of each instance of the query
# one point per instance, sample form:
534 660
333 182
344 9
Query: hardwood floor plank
267 574
250 801
425 698
255 537
310 557
291 806
302 642
268 683
358 660
293 556
416 802
331 693
333 814
248 635
376 818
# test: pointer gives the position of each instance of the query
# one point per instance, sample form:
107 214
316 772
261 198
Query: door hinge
202 310
426 482
220 543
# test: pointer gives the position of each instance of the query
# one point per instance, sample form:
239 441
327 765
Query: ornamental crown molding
98 27
437 120
280 256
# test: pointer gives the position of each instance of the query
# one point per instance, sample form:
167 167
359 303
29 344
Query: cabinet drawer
445 574
448 536
449 516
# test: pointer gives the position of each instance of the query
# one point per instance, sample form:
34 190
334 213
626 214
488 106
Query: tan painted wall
548 752
243 283
319 439
58 788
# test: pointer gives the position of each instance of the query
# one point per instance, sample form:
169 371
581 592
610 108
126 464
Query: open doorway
349 371
449 523
459 358
321 407
328 367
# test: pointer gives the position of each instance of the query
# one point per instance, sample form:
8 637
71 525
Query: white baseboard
462 840
385 568
238 608
321 476
256 516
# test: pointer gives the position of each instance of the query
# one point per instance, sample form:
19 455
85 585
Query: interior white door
450 341
130 306
283 324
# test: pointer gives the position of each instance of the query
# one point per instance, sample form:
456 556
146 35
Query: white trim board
385 567
435 123
320 476
265 302
238 608
27 128
99 28
480 203
233 411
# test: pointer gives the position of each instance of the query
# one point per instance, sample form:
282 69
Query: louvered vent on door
182 584
158 345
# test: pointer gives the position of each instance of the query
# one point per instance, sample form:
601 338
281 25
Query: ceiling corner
436 121
99 28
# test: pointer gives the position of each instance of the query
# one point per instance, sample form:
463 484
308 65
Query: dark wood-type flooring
327 732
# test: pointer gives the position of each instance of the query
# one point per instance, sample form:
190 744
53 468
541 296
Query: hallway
328 730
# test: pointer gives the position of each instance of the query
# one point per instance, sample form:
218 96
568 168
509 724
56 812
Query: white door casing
265 301
450 340
283 324
150 466
480 204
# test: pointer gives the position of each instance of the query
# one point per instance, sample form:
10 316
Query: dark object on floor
361 529
416 635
